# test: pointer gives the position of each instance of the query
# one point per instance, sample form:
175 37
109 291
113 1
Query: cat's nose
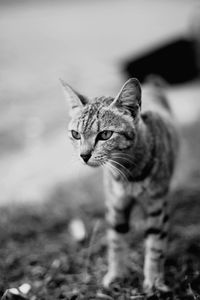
85 157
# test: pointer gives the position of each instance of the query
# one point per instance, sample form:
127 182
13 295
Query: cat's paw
112 276
158 285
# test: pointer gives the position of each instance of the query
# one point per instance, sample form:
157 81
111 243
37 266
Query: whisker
111 168
131 163
124 168
119 170
125 156
121 157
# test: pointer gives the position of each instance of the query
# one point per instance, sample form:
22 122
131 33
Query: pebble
77 230
56 264
25 288
13 294
13 291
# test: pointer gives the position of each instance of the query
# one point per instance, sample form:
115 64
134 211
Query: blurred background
89 44
94 46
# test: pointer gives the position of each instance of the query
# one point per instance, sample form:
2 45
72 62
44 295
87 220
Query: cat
134 138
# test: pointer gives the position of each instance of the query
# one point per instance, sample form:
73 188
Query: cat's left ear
129 96
74 100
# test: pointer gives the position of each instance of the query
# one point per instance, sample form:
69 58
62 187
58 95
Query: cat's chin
93 164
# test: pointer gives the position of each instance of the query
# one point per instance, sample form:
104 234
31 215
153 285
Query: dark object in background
176 62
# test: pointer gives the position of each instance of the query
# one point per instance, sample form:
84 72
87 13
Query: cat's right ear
74 100
129 96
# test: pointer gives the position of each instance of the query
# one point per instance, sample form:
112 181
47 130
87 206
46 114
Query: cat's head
104 128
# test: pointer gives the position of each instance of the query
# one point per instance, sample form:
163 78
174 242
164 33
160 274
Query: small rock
56 264
77 230
13 294
25 288
14 291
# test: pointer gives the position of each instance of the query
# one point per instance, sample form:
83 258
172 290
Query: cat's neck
140 156
143 152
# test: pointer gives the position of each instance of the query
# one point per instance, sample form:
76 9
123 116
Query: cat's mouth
92 162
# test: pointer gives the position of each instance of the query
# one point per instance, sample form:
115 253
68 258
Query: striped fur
135 140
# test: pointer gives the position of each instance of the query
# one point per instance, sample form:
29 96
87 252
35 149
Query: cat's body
137 143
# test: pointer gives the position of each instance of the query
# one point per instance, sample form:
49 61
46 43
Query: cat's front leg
117 266
155 244
118 225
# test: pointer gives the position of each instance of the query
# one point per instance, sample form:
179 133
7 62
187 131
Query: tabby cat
133 137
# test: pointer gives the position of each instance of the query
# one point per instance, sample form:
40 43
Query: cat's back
158 117
156 111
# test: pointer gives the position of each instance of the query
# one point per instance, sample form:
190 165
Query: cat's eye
76 135
105 135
